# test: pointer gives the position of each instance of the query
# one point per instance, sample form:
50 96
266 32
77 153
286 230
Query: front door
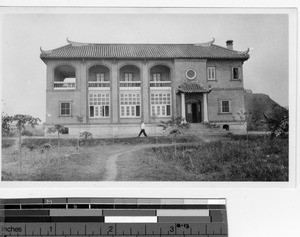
193 112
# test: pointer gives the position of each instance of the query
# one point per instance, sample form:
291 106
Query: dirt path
111 164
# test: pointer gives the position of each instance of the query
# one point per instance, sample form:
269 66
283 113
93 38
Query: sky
23 79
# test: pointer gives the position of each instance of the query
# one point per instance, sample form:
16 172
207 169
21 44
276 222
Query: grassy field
65 163
229 158
57 164
234 159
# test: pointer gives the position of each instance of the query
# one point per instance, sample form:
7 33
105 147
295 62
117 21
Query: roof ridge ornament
76 44
209 43
243 52
45 51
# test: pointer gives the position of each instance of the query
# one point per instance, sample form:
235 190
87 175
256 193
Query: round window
190 74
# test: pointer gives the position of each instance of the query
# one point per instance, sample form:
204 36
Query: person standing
143 126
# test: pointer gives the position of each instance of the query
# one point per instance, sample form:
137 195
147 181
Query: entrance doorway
193 112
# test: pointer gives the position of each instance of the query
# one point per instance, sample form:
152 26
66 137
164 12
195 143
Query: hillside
256 104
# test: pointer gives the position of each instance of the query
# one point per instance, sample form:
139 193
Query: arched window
99 77
64 77
130 77
160 76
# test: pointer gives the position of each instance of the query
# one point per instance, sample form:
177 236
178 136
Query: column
82 80
205 113
114 93
145 94
183 105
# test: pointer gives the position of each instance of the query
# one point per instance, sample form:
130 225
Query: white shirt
143 126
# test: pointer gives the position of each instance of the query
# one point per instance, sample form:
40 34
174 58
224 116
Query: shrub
6 143
26 133
31 147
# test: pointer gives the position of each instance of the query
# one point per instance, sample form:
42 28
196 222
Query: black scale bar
111 206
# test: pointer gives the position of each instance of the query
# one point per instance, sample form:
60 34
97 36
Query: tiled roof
142 51
192 87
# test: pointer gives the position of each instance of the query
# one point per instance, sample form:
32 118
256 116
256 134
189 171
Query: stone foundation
109 130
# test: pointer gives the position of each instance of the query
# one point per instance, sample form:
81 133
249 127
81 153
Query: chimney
229 44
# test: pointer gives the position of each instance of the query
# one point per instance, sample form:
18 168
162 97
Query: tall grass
256 160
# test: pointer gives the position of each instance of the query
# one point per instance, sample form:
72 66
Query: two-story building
113 87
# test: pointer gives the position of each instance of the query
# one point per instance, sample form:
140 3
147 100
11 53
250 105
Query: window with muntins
156 76
160 104
211 73
65 108
128 76
130 105
100 77
99 105
225 106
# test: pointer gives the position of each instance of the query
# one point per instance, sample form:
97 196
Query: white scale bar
217 201
130 219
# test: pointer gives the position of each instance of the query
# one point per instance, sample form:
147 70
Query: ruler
81 217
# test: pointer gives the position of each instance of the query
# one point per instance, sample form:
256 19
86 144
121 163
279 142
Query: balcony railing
60 85
131 84
99 84
157 84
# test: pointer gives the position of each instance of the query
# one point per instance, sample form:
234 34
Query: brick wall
222 88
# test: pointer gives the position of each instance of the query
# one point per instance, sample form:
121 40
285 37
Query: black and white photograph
146 95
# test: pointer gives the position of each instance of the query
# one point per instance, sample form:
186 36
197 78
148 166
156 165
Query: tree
277 121
79 119
6 122
56 128
174 126
244 118
22 121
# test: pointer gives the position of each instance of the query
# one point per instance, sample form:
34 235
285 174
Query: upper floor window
156 76
236 73
190 74
65 109
128 76
160 77
225 106
64 78
211 73
100 77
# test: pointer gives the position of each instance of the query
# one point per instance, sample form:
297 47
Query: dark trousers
143 131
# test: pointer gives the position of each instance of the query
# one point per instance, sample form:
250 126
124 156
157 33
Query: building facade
113 87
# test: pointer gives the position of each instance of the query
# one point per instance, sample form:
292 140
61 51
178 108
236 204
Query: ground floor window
225 106
99 105
160 104
130 104
65 109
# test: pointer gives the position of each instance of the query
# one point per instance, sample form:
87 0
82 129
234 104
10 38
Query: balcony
130 85
99 85
160 85
61 85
